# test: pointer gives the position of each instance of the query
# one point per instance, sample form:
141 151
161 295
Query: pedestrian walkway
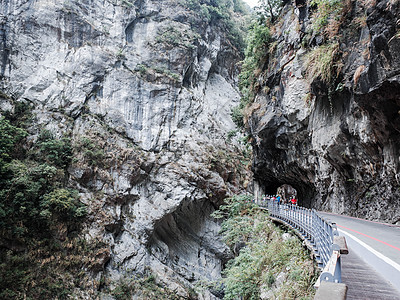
363 282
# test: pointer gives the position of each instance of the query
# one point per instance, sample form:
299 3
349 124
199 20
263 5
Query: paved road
363 282
378 244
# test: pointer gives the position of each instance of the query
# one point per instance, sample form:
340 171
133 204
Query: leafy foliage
63 204
321 62
147 286
21 197
174 37
264 257
37 213
239 7
270 8
21 116
48 269
223 13
236 226
237 115
54 151
93 153
258 40
243 277
329 15
10 137
212 11
27 186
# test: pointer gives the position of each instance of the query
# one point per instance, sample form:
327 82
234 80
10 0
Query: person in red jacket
294 201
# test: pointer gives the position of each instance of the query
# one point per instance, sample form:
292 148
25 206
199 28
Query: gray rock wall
150 85
338 143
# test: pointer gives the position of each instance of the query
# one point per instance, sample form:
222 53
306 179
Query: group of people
280 200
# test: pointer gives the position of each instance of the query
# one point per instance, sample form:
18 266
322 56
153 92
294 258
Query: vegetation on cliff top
258 42
227 13
323 57
266 265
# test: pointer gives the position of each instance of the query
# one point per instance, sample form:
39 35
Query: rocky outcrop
145 93
336 143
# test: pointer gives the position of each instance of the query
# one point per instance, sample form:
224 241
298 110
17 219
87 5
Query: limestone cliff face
337 143
147 86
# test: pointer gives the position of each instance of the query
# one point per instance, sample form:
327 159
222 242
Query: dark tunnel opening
305 193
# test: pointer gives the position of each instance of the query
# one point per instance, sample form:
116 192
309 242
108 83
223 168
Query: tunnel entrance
287 192
305 194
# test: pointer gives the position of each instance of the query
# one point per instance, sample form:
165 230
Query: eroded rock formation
144 89
336 143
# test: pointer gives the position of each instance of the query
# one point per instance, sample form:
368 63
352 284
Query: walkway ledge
331 291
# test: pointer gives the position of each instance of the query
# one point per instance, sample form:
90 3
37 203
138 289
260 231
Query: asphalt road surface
372 268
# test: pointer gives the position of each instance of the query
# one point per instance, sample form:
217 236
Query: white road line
369 248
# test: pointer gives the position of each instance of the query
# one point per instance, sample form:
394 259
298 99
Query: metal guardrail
321 236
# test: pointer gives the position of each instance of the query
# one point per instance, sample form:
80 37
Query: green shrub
236 226
142 69
214 11
55 151
231 134
258 41
21 116
265 255
326 10
237 116
321 62
10 137
21 195
173 37
222 13
243 277
238 6
123 291
234 206
30 188
62 204
31 201
35 204
270 8
146 286
93 153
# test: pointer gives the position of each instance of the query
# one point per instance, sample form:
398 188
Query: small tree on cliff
269 8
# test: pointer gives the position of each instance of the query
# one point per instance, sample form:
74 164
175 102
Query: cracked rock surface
150 85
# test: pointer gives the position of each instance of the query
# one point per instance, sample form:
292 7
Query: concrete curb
331 291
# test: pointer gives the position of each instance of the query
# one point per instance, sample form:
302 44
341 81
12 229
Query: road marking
376 222
372 250
387 244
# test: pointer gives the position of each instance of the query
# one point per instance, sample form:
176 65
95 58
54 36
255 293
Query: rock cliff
144 90
336 141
